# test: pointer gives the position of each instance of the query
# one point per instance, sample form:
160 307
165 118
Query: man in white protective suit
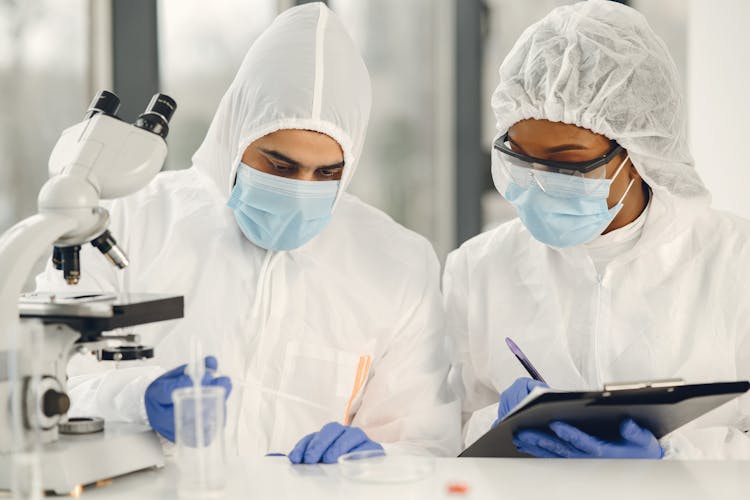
617 269
323 315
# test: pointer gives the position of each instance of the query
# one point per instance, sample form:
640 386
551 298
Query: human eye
282 169
329 173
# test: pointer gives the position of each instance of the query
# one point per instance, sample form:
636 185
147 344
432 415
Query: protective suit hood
303 72
599 65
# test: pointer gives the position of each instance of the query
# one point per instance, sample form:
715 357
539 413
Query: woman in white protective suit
617 268
324 313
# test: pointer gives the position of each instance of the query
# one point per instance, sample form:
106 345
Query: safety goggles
592 169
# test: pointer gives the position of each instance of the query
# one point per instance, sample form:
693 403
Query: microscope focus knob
55 403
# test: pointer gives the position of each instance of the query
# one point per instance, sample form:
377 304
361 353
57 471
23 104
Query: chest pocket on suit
315 387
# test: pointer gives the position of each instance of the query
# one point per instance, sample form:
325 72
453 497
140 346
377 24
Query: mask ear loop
632 181
617 172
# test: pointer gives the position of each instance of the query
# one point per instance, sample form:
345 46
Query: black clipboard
659 409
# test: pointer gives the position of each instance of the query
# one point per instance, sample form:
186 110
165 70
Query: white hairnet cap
598 64
303 72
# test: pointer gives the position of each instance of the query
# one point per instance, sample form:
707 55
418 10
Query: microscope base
78 460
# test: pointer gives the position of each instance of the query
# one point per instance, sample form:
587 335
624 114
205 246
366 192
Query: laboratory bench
464 478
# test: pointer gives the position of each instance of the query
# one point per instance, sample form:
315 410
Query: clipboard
660 409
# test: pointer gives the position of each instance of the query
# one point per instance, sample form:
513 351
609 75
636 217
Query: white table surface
275 478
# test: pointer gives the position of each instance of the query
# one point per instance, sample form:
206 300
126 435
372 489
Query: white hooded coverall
289 328
676 304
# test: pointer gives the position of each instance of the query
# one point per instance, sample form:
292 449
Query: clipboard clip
623 386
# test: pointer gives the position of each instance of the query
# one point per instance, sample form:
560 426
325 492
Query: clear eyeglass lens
526 175
599 172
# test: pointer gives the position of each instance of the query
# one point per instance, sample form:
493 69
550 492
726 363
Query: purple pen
524 360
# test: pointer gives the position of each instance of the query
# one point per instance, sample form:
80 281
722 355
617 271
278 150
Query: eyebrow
556 149
565 147
295 163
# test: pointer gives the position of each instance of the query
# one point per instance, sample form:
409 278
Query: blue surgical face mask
563 210
277 213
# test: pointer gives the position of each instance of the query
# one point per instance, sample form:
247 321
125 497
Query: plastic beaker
199 440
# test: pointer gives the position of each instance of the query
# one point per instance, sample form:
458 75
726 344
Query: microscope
100 158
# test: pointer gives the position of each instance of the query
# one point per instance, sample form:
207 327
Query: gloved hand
570 442
330 443
158 399
514 395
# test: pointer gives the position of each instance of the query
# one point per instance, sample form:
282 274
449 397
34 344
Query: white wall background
718 68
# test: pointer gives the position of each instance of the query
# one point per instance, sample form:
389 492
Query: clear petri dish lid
375 466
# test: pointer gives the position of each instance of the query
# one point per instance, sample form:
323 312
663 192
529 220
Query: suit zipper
597 330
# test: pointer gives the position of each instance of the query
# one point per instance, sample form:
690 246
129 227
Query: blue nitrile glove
158 399
569 442
514 395
330 443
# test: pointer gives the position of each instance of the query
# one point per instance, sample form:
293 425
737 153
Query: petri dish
375 466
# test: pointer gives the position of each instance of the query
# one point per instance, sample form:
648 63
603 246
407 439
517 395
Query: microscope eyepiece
157 115
105 102
163 105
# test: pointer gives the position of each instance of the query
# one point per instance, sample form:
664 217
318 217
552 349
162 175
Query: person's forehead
304 146
545 131
300 138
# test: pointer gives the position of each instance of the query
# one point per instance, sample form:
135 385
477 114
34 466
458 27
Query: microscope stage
92 314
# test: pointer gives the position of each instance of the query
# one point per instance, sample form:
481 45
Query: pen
524 360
